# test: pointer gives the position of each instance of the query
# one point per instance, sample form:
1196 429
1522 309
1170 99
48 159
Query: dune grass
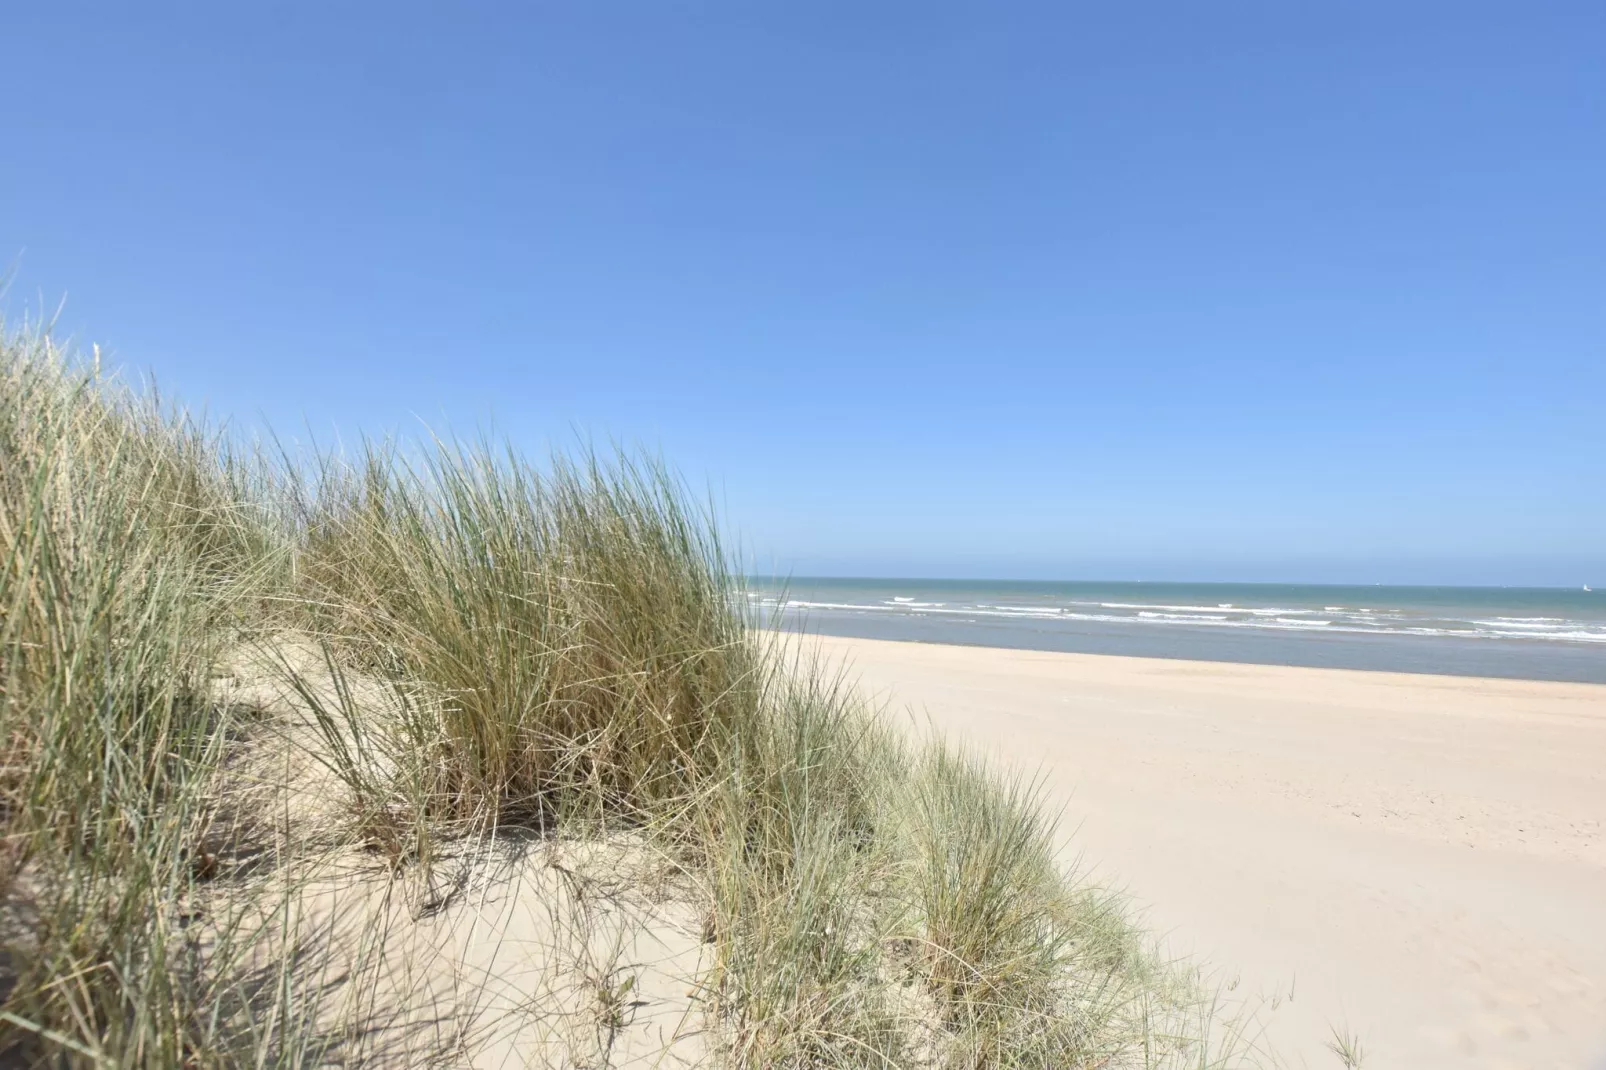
125 554
562 647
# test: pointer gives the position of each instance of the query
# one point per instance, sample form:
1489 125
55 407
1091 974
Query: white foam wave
1576 636
1261 611
1041 610
1360 621
1533 625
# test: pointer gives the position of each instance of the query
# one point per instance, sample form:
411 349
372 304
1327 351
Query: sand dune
1419 859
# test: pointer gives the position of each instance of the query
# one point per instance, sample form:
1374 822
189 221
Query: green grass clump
573 623
1028 968
125 552
506 646
796 865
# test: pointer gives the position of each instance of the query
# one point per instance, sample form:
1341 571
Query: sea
1532 633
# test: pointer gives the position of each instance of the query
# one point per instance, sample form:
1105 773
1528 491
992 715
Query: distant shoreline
1496 632
767 581
1425 655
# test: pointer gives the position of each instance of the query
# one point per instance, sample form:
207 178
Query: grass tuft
126 550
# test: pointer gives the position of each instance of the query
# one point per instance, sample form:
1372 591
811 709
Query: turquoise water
1539 633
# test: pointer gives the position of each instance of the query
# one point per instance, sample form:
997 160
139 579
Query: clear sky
1196 291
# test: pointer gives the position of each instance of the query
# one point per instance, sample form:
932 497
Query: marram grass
511 647
125 553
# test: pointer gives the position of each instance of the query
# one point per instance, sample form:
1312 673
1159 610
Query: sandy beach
1417 859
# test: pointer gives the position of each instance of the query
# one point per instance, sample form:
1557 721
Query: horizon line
1196 583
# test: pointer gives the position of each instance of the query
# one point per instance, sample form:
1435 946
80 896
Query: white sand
1418 858
519 951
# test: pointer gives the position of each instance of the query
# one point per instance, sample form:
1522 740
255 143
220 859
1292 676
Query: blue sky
1224 291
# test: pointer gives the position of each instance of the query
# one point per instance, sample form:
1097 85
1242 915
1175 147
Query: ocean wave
1259 611
1535 625
1577 636
1355 622
1048 610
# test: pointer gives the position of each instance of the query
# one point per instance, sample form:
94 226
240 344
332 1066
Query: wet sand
1419 859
